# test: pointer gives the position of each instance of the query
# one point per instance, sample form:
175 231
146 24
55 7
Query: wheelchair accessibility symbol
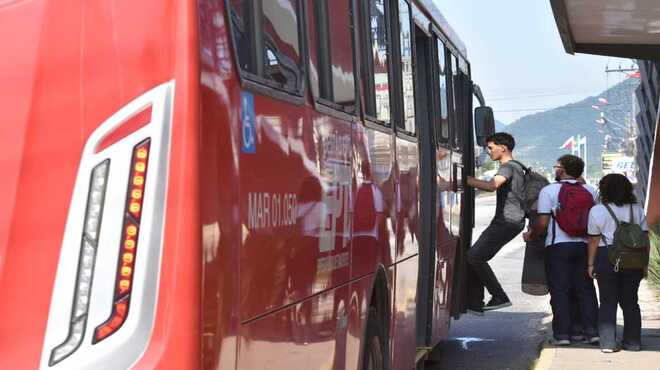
248 123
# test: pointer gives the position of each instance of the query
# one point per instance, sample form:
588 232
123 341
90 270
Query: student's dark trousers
617 288
566 269
496 236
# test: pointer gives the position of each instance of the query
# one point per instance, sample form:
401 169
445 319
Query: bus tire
375 348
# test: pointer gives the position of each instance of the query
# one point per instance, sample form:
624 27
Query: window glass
454 75
240 26
332 77
267 41
444 107
379 53
408 86
457 117
463 65
281 45
341 46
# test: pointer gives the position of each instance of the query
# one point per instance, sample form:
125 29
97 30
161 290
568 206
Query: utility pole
629 121
628 146
608 70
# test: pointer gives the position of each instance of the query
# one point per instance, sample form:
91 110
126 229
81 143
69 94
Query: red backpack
573 213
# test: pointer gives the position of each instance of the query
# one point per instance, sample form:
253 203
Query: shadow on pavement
498 340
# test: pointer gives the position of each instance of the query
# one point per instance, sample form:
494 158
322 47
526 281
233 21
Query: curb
546 357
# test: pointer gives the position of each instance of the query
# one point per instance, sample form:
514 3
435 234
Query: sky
518 59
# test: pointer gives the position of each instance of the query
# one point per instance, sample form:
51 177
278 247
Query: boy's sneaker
632 347
577 338
497 303
475 311
560 342
593 340
609 350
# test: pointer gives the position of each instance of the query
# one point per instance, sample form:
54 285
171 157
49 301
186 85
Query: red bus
240 184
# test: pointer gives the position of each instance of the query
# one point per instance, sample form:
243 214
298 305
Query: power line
535 96
554 108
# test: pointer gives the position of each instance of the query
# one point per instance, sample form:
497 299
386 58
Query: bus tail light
129 243
86 260
113 238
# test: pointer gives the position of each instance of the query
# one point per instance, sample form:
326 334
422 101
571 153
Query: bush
654 262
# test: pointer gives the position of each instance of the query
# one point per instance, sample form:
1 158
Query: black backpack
533 182
629 248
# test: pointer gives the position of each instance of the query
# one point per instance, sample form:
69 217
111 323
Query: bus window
378 104
331 74
241 42
407 80
266 38
463 65
457 105
443 122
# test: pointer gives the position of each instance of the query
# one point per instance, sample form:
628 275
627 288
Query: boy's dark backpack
532 184
575 202
629 249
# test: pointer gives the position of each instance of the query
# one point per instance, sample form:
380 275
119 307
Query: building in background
646 116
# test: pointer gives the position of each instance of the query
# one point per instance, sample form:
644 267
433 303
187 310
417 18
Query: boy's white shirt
549 202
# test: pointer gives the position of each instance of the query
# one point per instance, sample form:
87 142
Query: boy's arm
492 185
544 213
538 228
592 248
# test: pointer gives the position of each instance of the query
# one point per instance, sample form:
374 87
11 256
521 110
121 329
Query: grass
654 262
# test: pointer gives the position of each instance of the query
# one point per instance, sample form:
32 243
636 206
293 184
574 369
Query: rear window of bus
266 37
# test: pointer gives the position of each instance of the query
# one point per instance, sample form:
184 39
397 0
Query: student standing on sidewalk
616 287
508 222
566 249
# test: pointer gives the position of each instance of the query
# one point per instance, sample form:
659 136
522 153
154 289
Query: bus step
421 356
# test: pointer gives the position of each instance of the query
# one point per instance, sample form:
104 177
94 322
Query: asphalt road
504 339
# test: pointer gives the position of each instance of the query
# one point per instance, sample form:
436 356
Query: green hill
539 136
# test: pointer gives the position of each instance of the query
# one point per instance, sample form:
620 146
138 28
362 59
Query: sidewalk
586 357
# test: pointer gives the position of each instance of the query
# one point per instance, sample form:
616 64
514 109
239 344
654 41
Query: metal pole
586 161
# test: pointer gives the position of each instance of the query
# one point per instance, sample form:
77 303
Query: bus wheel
374 349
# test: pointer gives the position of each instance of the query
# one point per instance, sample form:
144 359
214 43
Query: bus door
469 154
460 208
427 143
445 245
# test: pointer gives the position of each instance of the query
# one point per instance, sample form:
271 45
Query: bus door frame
462 124
425 117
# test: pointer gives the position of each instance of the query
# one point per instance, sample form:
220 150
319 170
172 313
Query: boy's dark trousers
566 268
496 236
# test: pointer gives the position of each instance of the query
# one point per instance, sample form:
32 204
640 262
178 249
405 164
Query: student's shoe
609 350
577 338
560 342
496 303
475 311
632 347
593 340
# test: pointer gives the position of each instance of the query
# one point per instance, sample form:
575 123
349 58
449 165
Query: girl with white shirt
615 287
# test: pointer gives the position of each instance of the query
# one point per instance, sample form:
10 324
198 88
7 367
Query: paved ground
582 357
505 339
511 339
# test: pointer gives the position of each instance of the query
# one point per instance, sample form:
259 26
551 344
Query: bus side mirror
484 124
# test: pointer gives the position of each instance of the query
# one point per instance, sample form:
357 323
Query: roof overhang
621 28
